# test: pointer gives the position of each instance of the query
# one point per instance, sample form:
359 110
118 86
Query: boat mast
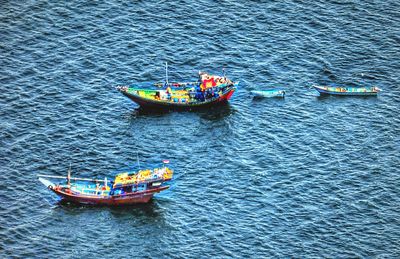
69 176
166 73
137 156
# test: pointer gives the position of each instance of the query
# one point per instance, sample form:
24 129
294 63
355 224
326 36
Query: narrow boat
208 91
351 91
127 188
269 93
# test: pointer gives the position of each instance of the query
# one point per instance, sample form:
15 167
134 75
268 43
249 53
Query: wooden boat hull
115 200
159 104
347 91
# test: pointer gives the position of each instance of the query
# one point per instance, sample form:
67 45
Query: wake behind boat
208 91
127 188
349 91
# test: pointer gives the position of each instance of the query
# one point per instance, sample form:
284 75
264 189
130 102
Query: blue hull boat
269 93
348 91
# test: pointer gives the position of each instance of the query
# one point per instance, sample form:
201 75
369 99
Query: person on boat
203 85
97 188
168 91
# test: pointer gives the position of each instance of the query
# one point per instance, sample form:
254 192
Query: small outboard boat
269 93
349 91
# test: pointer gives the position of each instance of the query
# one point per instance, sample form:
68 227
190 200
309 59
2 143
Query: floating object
359 91
127 188
208 91
269 93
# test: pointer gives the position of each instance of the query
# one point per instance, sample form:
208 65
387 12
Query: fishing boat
350 91
208 91
127 188
269 93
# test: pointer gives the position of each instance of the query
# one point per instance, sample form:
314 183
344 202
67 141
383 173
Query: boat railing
136 183
175 84
90 191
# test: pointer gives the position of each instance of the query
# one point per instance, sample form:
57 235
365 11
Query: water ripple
307 176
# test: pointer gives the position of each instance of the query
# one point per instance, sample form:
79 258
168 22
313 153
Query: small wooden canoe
269 93
348 91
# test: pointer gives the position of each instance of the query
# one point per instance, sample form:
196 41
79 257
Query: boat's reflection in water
216 112
325 97
152 209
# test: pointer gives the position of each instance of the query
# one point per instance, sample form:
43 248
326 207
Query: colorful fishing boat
208 91
127 188
352 91
269 93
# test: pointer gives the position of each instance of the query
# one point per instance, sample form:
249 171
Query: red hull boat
126 189
149 103
208 91
114 200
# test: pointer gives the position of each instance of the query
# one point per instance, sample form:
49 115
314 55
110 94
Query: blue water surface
304 176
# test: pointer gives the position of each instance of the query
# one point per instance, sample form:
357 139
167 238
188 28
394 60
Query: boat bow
46 182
